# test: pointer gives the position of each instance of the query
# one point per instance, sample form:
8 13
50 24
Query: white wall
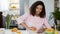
4 5
49 5
26 6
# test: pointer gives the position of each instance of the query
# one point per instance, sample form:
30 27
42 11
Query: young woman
35 19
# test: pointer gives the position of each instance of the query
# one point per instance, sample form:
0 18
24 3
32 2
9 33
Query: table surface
25 32
22 32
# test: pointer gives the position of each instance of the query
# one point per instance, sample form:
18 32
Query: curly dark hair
33 9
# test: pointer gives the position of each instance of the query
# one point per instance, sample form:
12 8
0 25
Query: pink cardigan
33 21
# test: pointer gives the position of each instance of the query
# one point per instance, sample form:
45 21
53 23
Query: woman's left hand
41 30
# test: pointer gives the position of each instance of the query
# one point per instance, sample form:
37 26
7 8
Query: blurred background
16 8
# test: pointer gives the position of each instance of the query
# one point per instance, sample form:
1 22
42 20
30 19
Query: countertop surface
22 32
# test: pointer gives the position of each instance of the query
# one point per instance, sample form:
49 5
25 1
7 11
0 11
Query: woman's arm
24 25
43 28
21 21
46 23
29 28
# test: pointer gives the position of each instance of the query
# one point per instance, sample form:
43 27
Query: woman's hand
32 28
41 30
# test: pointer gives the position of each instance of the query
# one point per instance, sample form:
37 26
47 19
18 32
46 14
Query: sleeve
46 23
22 18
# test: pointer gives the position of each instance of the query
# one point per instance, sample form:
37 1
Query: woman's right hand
32 28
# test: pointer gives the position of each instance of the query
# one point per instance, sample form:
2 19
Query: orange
14 30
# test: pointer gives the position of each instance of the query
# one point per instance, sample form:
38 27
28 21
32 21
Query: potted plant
8 17
56 16
7 21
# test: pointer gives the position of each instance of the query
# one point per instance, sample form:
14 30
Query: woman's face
38 9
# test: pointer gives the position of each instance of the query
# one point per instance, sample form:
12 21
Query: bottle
56 32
